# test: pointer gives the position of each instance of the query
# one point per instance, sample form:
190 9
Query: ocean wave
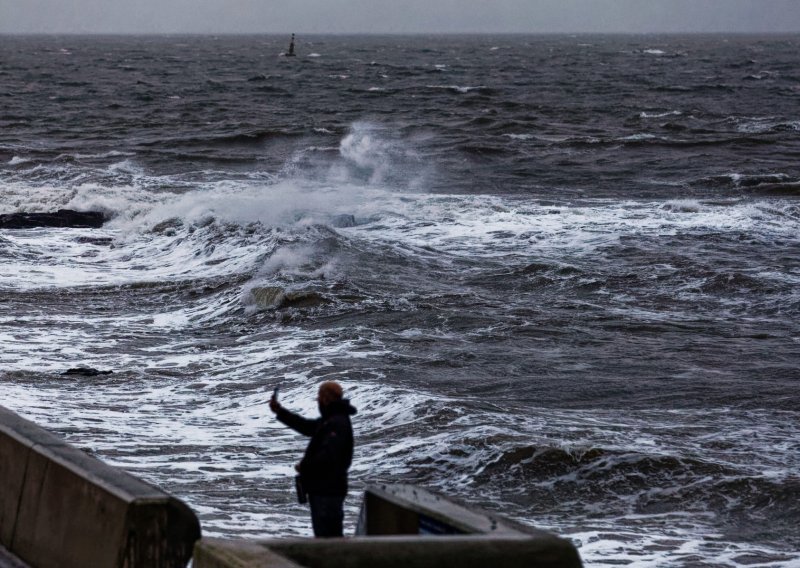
642 484
764 125
702 88
554 464
245 137
766 184
737 282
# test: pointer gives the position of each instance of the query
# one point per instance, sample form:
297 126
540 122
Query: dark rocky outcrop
278 298
99 241
343 221
65 218
85 372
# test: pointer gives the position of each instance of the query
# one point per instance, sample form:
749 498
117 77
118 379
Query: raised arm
304 426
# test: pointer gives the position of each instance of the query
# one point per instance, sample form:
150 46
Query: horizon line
419 33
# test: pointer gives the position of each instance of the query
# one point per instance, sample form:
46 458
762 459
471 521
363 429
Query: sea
559 276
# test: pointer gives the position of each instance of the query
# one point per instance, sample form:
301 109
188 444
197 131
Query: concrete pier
61 507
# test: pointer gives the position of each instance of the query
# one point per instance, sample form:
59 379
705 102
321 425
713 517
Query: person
323 469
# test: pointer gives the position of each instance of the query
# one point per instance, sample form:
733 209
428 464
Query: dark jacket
323 469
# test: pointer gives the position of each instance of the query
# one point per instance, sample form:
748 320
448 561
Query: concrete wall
61 507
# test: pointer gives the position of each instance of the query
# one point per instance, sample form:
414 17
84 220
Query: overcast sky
397 16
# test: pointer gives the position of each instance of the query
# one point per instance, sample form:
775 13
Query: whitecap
109 154
683 206
645 114
457 88
127 167
638 137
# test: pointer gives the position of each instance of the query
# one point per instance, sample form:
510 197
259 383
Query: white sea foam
487 226
462 225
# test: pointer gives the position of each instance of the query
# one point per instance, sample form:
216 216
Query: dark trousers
327 514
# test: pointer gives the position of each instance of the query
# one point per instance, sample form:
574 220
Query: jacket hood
339 407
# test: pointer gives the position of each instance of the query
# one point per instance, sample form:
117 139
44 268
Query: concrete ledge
472 551
220 553
408 509
61 507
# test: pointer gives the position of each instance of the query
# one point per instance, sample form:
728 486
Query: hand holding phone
273 402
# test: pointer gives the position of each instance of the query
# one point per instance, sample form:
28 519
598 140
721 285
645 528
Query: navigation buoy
290 53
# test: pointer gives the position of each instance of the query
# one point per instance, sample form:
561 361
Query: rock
168 227
64 218
99 241
343 221
276 297
85 372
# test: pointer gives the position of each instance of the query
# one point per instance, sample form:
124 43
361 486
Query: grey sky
397 16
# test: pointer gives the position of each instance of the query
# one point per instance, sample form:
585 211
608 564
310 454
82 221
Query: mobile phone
275 393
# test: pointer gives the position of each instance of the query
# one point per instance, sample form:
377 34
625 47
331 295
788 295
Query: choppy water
558 276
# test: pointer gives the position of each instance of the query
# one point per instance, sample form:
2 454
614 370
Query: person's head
329 392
